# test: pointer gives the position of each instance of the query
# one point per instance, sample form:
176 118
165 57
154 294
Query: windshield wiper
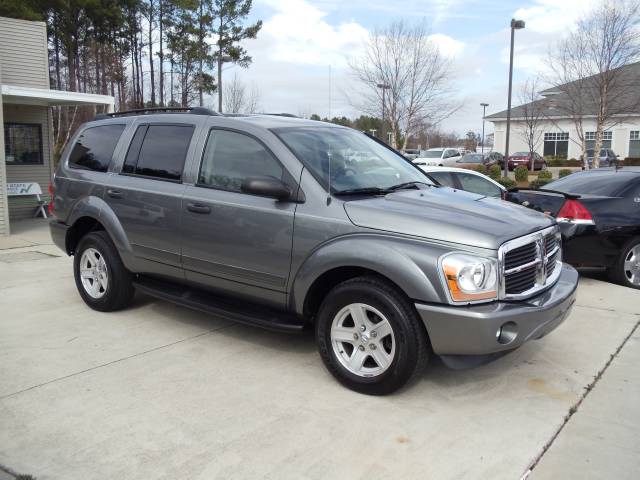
413 184
363 191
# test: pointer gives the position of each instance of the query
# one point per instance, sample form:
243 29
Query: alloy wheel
93 273
362 339
632 265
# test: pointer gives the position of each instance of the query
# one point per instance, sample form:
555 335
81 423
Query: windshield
432 154
608 183
521 154
352 159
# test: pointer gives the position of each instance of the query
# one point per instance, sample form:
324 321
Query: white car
468 180
438 157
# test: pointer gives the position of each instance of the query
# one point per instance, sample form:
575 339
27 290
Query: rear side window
230 157
159 151
475 184
94 147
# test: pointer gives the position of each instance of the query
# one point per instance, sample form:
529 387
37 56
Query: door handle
198 208
114 193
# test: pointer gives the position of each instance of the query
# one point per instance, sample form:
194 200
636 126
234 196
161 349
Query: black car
599 216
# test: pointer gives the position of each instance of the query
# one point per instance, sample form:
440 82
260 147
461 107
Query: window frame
287 178
158 124
41 143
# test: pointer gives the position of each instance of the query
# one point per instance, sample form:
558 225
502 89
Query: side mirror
266 186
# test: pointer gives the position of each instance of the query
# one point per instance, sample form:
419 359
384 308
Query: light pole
484 112
515 25
384 88
221 59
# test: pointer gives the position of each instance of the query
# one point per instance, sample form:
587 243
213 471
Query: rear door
146 194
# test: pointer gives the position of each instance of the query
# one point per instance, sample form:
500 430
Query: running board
241 312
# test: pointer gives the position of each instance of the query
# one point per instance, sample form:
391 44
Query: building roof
556 102
48 98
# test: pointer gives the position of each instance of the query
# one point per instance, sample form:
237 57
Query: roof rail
290 115
150 111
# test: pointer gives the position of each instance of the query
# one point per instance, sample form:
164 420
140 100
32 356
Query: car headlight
470 278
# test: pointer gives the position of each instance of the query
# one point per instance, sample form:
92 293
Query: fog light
507 333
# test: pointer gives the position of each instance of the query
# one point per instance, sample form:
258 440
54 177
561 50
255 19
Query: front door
237 243
146 195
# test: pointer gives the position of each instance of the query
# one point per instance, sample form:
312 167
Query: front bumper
474 329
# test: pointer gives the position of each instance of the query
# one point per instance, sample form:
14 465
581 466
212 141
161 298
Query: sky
301 56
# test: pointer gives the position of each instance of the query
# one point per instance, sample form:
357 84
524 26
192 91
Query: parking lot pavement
159 391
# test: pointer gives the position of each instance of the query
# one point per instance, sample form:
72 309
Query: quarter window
94 147
159 151
22 143
556 144
634 144
230 157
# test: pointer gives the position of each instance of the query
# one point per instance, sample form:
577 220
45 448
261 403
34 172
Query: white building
559 136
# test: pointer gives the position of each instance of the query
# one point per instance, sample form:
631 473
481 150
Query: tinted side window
443 178
94 147
475 184
231 157
163 151
134 149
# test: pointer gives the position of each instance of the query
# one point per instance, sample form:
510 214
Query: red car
524 159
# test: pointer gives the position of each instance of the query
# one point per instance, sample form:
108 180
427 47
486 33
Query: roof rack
150 111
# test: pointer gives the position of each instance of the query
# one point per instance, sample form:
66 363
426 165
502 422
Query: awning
44 97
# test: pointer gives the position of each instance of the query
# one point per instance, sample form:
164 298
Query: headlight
470 278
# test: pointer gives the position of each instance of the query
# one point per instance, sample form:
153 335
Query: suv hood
448 215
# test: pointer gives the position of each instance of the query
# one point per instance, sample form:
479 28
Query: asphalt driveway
163 392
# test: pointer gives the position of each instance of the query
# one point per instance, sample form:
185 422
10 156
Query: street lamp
484 112
384 87
515 25
221 59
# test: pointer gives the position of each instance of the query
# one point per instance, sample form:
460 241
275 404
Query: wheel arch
92 214
347 258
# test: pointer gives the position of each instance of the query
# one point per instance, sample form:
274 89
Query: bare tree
532 112
237 98
589 70
417 77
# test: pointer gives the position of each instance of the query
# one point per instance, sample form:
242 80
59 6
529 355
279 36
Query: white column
4 205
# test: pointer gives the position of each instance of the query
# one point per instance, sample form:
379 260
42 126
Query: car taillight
52 192
574 212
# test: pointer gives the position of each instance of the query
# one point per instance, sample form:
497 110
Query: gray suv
264 219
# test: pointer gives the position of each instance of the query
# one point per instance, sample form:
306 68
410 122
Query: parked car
599 216
411 153
467 180
438 157
470 160
524 159
607 157
257 219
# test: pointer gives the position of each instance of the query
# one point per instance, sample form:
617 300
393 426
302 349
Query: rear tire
626 270
102 280
370 337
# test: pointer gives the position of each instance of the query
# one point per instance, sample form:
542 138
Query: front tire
626 270
102 280
370 337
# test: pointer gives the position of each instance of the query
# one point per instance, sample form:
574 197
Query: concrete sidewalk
162 392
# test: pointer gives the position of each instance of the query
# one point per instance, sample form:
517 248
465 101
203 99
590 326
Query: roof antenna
329 183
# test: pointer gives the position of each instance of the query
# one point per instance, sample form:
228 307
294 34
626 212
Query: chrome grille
529 264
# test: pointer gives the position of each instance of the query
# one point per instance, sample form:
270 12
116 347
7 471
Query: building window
590 139
634 144
556 144
23 144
